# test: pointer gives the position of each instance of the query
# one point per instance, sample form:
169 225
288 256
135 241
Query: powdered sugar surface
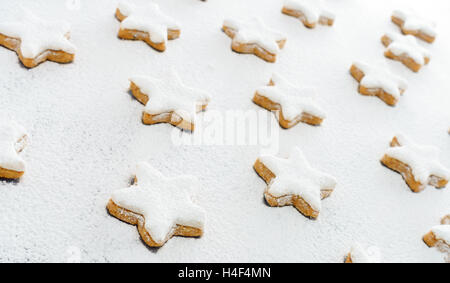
148 18
87 138
38 35
293 100
423 160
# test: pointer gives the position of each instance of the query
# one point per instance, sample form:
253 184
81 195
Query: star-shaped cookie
293 104
439 235
161 207
13 139
254 37
294 182
168 100
375 81
412 24
36 40
310 12
446 220
359 254
405 49
147 23
419 165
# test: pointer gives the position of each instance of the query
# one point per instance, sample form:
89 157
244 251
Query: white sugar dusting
87 137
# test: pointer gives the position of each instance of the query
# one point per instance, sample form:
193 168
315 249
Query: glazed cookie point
294 182
36 40
359 254
169 100
148 24
293 104
446 220
410 23
254 37
405 49
13 138
159 206
419 165
376 81
309 12
439 236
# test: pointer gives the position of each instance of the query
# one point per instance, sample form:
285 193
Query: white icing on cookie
255 32
164 202
313 10
293 100
423 160
147 19
442 233
38 35
376 77
407 45
413 22
170 94
359 254
12 141
294 176
446 220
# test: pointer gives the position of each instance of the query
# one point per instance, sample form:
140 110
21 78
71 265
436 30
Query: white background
87 137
